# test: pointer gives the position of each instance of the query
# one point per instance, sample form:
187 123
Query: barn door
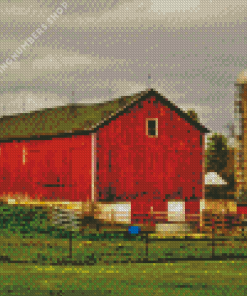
5 169
48 173
55 182
65 177
12 163
80 168
36 172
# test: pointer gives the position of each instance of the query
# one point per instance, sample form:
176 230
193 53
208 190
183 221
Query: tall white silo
240 121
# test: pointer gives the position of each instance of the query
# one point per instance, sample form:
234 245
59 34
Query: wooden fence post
70 244
213 236
151 215
201 221
147 245
242 222
112 216
223 225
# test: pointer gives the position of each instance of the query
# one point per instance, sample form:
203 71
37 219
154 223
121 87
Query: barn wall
150 171
57 169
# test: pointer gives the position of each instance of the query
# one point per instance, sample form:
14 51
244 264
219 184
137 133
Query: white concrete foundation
172 228
114 212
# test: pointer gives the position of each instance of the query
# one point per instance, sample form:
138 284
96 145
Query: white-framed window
152 127
176 211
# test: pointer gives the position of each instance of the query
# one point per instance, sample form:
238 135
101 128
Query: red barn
140 149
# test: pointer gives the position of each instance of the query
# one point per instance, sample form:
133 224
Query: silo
240 121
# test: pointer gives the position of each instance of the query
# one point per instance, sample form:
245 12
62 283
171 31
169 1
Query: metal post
151 215
70 244
213 237
112 216
82 218
73 93
223 226
242 221
147 245
149 78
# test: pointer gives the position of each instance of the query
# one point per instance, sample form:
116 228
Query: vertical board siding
146 170
93 166
57 169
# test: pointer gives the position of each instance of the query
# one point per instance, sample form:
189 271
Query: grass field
191 278
104 272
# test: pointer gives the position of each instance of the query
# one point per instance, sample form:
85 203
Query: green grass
21 239
191 278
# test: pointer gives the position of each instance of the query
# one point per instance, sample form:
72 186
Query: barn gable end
150 171
77 119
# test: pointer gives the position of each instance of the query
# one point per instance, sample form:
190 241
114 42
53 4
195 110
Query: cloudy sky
101 50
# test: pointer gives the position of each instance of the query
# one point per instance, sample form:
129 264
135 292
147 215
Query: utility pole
73 94
231 127
149 79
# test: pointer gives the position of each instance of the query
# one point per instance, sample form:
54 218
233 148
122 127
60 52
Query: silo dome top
242 77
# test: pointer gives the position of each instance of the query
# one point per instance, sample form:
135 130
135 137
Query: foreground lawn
192 278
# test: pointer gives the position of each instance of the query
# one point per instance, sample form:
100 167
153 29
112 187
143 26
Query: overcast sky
194 51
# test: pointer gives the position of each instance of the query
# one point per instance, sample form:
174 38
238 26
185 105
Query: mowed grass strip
191 278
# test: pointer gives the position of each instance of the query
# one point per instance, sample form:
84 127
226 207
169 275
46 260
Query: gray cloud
193 50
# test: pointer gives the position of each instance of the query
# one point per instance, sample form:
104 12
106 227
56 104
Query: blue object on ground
134 229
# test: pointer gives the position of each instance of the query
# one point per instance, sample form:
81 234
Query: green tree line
219 157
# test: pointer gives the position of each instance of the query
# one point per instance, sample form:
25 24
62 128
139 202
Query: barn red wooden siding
53 169
150 171
129 165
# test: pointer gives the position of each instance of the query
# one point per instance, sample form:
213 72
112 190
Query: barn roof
77 118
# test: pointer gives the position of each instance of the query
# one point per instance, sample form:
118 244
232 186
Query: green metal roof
72 118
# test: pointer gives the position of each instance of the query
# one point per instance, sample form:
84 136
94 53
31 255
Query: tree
216 153
220 159
193 115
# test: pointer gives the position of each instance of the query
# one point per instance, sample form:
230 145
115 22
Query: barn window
152 127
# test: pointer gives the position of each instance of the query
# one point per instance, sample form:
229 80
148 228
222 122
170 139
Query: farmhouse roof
77 118
212 178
